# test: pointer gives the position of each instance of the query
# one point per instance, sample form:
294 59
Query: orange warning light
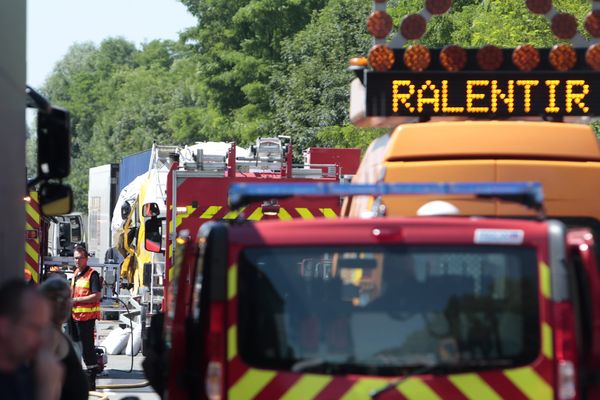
358 62
490 57
379 24
592 23
453 58
592 56
526 57
564 25
381 57
539 6
417 57
438 7
562 57
413 26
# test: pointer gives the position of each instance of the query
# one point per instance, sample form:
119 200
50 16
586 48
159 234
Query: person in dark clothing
28 370
86 295
75 385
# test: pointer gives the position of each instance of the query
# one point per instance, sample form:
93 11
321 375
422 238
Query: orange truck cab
384 308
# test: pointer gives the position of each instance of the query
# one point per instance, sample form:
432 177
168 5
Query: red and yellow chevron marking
32 246
534 381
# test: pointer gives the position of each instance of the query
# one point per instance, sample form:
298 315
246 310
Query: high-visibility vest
81 288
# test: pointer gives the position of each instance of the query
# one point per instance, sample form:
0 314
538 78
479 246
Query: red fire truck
196 193
401 307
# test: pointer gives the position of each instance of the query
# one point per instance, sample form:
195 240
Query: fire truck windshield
383 309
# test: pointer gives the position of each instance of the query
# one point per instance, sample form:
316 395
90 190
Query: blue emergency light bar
529 194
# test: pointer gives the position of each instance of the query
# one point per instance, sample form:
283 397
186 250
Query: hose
101 396
124 385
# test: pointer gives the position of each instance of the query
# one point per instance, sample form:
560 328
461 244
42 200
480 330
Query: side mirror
125 210
153 235
54 144
55 199
150 210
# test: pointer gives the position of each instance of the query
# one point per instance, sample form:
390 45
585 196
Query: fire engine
401 307
190 188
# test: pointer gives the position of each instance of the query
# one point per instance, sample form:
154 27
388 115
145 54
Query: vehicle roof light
358 62
379 24
562 57
539 6
592 23
381 57
564 25
438 7
417 57
526 57
592 56
453 58
490 57
413 26
528 193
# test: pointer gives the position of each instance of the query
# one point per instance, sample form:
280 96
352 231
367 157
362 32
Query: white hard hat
437 207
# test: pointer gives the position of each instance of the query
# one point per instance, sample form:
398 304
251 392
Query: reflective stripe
328 212
249 385
210 212
474 387
362 388
180 217
305 213
530 383
32 253
547 345
232 282
256 215
307 387
82 283
283 214
232 342
233 214
545 284
416 389
86 309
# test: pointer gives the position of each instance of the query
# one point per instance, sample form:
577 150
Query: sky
54 25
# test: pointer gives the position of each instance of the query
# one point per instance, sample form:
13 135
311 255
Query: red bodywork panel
347 160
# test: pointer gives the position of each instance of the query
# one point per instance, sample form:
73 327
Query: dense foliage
251 68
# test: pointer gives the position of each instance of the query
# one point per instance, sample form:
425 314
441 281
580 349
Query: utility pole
12 137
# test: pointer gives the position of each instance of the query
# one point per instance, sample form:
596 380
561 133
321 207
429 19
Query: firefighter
86 294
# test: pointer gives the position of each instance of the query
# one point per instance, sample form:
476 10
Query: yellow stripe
547 345
256 215
85 309
283 214
545 284
416 389
180 217
233 214
32 253
232 342
362 389
171 273
328 212
473 387
32 213
34 275
305 213
249 385
530 383
210 212
307 387
83 283
232 282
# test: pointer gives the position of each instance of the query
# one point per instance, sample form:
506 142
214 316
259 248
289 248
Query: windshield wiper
418 371
311 364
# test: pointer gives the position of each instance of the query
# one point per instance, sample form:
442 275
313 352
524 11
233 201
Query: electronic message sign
482 94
